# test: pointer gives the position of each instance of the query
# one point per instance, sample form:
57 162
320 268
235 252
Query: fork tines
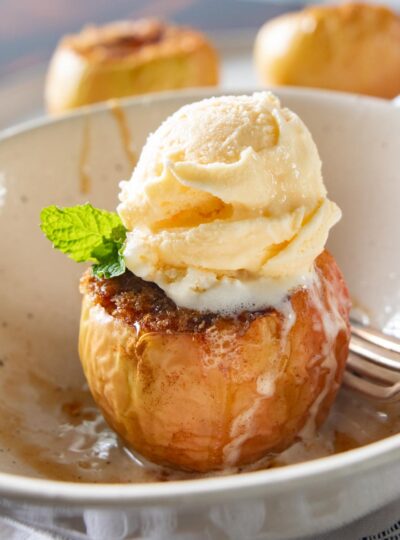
373 366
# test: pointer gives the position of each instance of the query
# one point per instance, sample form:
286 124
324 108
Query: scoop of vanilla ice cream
226 208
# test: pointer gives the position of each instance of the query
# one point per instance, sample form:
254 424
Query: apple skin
228 396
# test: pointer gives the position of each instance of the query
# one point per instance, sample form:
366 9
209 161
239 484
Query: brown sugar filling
131 299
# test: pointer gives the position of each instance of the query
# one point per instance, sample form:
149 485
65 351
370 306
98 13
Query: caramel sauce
124 131
343 442
54 432
50 431
84 178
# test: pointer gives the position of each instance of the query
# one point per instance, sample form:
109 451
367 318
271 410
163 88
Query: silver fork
373 366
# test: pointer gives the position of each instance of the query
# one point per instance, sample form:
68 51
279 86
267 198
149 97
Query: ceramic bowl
82 157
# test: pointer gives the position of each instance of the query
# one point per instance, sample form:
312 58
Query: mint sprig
85 233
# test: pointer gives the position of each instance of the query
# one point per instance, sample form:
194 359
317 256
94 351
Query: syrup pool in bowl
54 432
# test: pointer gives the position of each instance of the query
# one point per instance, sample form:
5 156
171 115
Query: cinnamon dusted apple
214 326
127 58
202 391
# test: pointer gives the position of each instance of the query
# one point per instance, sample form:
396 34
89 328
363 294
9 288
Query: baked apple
352 47
127 58
214 326
201 391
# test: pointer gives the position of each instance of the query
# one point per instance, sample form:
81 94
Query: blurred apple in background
31 29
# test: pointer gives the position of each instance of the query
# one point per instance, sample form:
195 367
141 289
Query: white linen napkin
157 524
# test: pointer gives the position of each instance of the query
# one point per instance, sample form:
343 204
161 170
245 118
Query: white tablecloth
102 525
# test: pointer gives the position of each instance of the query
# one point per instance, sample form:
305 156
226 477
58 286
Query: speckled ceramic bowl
83 156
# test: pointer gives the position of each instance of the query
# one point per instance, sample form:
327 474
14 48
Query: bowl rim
194 491
201 490
195 93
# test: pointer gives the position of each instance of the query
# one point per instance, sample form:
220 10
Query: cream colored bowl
83 156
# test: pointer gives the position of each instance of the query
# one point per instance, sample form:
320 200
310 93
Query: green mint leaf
106 251
85 233
110 260
110 269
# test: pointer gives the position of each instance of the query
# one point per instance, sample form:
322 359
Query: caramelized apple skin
225 397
